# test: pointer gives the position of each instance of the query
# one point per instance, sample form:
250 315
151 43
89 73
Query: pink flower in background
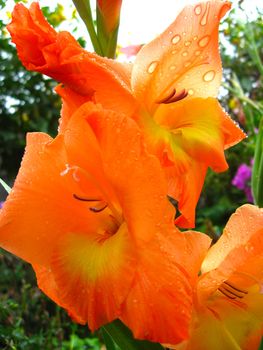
131 50
242 180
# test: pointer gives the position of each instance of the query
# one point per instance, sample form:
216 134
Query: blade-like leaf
122 336
5 185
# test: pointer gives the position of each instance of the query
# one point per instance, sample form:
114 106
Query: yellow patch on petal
94 273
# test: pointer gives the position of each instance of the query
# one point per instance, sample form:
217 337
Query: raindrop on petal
197 52
209 76
187 43
204 41
185 53
203 21
198 10
152 67
176 39
172 67
190 92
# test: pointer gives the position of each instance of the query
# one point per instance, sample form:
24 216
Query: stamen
237 289
167 98
227 295
98 210
86 199
177 97
173 97
231 291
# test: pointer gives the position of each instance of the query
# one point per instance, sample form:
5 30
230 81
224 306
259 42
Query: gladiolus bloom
170 91
229 304
98 228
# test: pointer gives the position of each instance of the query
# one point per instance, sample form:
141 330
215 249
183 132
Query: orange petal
158 307
197 127
94 274
71 101
41 206
230 325
186 190
161 297
136 176
59 56
185 56
238 253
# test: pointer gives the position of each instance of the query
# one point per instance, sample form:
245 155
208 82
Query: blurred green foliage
28 319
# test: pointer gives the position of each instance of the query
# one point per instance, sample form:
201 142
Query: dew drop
203 21
184 33
172 67
187 64
195 37
187 43
185 53
198 10
174 52
204 41
176 39
152 67
190 92
197 52
209 76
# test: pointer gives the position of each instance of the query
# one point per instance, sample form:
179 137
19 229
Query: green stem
84 10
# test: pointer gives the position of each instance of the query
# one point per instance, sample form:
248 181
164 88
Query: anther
86 199
231 291
93 209
173 97
98 210
237 289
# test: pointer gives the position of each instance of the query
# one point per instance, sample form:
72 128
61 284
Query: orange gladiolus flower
98 228
170 90
229 305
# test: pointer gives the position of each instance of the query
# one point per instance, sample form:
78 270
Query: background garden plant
218 200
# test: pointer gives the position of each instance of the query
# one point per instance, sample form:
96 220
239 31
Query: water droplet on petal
204 41
190 92
203 21
176 39
184 33
152 67
174 52
187 43
187 64
172 67
195 37
185 53
197 52
209 76
198 10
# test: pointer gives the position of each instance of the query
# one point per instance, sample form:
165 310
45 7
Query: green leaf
123 337
5 185
110 345
257 173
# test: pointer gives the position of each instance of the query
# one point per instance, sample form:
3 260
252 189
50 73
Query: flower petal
185 56
161 296
94 275
41 207
59 56
71 101
237 256
136 176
